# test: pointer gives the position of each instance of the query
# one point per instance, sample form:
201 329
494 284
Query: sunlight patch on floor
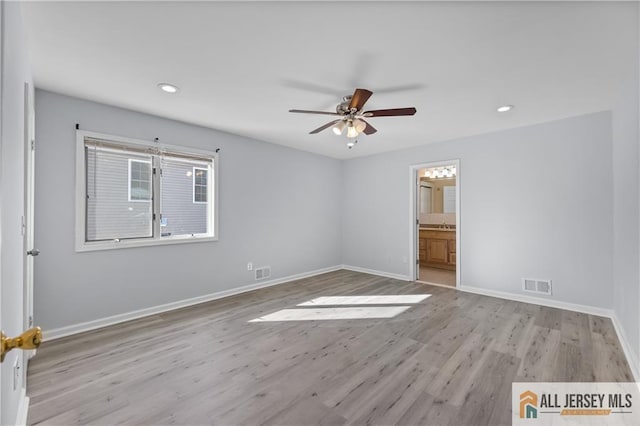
386 299
330 311
333 313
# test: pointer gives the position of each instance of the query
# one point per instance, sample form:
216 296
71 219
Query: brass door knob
30 339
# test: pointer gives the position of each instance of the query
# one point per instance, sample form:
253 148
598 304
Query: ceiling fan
352 116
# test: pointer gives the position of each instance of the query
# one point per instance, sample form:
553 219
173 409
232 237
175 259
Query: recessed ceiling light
505 108
169 88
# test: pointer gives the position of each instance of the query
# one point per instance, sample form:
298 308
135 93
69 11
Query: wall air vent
263 273
532 285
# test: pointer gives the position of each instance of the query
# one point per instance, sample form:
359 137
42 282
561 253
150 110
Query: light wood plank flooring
447 360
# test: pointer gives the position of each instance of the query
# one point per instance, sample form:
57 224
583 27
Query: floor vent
537 286
262 273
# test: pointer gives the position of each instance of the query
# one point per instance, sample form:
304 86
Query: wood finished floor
448 360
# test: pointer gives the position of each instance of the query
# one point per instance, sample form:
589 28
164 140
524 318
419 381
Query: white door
425 198
418 204
449 199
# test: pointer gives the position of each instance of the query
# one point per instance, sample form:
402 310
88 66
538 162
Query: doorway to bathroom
435 220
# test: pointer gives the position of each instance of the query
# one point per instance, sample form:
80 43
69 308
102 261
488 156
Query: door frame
29 207
2 36
413 215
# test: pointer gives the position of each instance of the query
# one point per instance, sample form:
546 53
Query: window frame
194 184
135 160
156 149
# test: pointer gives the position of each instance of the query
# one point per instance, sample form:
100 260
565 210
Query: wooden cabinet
422 250
437 251
437 248
452 251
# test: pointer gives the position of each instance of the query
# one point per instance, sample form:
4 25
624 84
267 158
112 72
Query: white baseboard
585 309
374 272
23 409
57 333
630 354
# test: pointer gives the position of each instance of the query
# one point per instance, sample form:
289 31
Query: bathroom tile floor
437 276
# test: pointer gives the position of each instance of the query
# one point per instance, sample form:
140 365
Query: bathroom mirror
438 190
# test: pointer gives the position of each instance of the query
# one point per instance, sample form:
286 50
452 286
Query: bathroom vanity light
441 172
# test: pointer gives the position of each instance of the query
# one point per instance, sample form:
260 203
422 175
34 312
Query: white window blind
110 213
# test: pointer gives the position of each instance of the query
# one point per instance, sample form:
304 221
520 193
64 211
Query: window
134 193
199 185
139 180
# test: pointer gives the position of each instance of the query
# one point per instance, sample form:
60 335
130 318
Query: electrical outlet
249 266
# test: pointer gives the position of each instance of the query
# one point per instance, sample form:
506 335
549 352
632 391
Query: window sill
113 245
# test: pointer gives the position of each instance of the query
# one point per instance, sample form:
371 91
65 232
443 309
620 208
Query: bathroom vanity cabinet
437 248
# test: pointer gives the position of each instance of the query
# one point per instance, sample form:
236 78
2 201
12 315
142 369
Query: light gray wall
625 216
278 207
535 202
15 73
626 260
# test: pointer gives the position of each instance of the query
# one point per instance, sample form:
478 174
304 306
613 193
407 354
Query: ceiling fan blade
389 112
326 126
359 98
369 130
304 111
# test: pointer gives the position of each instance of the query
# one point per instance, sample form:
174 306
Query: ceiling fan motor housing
343 107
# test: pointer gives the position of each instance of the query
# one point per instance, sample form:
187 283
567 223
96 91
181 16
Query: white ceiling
241 66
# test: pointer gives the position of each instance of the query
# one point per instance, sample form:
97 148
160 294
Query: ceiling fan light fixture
339 128
359 125
352 132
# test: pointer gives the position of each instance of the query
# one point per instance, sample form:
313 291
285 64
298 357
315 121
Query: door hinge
154 170
417 261
417 221
33 144
154 216
30 320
